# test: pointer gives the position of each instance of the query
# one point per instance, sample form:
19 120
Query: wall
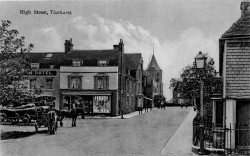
41 81
237 76
88 74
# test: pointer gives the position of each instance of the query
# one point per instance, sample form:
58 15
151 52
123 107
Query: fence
233 139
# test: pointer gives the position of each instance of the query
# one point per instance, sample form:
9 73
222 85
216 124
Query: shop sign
43 73
102 104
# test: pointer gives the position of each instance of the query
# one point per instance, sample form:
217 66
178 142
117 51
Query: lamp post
200 63
122 105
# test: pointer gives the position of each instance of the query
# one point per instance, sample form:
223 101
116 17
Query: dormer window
51 66
76 63
48 56
35 65
102 62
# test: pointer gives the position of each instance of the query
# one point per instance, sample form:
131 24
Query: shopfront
91 102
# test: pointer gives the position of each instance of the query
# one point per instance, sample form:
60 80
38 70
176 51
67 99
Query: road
144 135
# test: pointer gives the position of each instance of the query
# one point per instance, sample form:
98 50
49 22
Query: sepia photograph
125 77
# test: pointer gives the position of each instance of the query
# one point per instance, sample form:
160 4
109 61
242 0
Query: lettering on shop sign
42 73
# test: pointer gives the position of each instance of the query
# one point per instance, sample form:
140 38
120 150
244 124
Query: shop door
88 101
243 124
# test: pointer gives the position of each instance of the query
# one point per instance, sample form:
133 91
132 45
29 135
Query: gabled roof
240 28
132 60
153 64
88 57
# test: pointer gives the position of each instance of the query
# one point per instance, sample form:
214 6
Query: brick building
108 81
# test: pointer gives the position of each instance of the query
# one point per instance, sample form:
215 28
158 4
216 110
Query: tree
13 61
189 83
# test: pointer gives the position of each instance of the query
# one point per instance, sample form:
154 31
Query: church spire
153 63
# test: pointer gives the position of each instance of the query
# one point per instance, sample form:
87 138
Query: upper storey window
35 65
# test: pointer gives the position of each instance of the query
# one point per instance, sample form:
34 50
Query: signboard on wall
43 73
102 104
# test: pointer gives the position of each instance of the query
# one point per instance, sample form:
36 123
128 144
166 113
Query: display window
102 104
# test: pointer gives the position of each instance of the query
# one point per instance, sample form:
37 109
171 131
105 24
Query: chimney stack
120 46
245 7
68 46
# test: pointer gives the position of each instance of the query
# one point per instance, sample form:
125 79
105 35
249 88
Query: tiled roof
89 57
132 60
240 28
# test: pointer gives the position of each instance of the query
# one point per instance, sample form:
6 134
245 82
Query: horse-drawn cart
46 118
14 115
39 116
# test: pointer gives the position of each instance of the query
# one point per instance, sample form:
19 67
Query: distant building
108 81
155 73
147 89
179 97
234 52
134 80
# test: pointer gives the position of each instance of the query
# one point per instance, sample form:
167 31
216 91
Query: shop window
75 82
32 83
101 82
102 104
49 83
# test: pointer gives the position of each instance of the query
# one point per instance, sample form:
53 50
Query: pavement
180 143
125 116
130 115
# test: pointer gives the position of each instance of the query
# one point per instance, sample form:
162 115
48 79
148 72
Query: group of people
146 107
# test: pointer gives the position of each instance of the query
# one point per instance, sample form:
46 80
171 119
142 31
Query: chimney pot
245 7
116 47
68 45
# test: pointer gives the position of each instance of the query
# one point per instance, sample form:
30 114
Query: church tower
154 71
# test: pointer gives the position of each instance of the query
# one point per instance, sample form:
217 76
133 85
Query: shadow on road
18 134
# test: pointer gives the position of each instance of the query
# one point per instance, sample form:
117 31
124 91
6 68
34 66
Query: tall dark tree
189 83
13 61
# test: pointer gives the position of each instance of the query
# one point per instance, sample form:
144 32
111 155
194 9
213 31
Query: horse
69 114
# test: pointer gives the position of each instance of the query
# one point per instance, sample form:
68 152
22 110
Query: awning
86 93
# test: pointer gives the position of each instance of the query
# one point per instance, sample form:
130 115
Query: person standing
73 114
162 104
140 106
83 108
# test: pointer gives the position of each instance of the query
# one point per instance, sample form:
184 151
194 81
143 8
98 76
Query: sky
176 29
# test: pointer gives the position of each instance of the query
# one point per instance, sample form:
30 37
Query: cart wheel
16 120
26 118
3 118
